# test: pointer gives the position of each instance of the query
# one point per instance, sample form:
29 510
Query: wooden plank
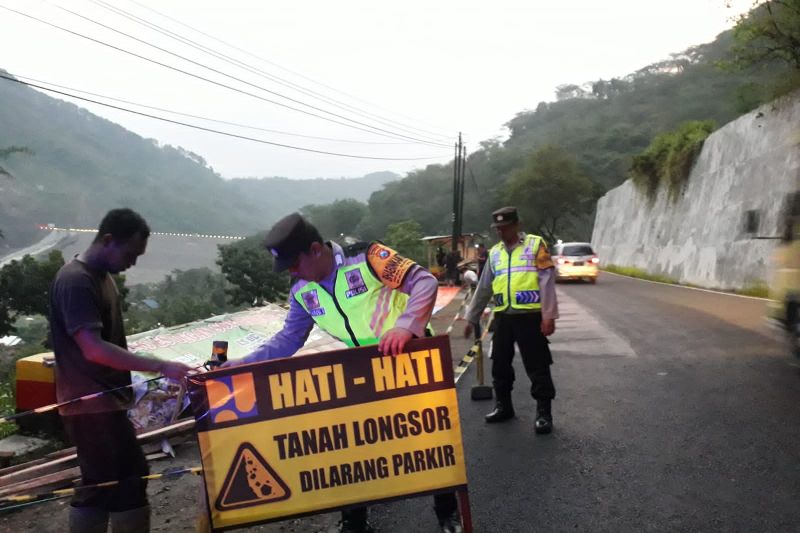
40 484
36 469
21 466
59 479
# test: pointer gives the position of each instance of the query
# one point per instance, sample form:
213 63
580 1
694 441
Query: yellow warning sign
327 431
250 481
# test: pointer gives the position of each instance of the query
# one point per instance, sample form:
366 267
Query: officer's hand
468 330
243 361
175 370
548 326
394 341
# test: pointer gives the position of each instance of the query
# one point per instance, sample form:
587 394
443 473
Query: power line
210 130
255 70
200 117
240 80
391 135
181 23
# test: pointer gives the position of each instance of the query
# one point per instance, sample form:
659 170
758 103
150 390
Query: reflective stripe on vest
359 311
516 278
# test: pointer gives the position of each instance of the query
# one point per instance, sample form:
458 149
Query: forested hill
597 125
79 165
282 195
605 122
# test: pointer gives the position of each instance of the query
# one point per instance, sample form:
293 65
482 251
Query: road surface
676 411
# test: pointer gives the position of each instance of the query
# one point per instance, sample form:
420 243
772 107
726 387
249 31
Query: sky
404 78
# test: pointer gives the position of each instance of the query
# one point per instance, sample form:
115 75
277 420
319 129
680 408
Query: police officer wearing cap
363 294
521 282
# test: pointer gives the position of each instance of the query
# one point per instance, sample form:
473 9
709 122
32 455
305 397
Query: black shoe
502 411
544 418
452 523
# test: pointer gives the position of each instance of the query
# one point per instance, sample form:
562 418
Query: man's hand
394 341
548 326
175 370
468 330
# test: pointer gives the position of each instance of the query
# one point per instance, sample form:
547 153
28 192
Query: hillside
282 196
81 165
601 124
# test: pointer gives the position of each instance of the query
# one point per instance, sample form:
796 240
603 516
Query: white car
575 260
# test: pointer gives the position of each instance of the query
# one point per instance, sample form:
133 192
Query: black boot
544 417
355 521
503 410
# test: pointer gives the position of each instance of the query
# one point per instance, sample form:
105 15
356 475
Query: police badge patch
355 283
311 300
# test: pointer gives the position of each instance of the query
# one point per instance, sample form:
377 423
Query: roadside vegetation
756 290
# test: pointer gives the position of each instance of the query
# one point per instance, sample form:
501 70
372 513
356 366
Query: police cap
288 238
504 216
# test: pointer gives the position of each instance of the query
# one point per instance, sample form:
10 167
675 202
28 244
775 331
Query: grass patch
669 159
634 272
8 374
7 406
758 290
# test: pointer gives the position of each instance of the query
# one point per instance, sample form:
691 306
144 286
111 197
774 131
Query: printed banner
157 402
313 434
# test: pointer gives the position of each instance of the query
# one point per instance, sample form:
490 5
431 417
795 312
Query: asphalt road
676 411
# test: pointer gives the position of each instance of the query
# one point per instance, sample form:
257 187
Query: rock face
720 232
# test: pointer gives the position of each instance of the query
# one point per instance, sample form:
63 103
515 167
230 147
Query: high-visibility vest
360 309
516 278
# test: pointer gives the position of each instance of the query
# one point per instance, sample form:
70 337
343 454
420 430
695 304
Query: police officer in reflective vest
362 294
520 280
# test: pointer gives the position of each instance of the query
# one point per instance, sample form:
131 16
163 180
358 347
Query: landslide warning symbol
250 481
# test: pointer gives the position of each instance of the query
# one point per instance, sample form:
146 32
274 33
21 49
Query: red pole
466 513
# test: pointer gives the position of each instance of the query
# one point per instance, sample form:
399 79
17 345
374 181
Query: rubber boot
544 417
355 521
132 521
503 409
87 520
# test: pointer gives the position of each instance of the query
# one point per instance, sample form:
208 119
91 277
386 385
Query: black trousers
524 330
443 504
108 451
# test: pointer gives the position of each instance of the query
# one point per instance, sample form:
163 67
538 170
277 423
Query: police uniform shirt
418 283
547 287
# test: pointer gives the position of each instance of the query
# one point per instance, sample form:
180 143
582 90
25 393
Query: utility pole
462 186
457 185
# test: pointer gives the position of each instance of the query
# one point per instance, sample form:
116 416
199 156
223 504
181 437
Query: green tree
550 192
336 219
5 152
405 237
25 287
770 31
183 296
247 267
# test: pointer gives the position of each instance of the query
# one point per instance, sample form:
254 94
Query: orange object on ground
36 382
444 296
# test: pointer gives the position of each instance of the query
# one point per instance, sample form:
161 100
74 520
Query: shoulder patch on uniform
354 249
390 267
543 258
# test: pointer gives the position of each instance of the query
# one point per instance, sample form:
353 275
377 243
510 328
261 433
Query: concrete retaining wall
750 164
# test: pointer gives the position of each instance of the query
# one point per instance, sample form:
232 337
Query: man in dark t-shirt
88 338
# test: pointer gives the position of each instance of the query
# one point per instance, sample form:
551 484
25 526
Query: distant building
10 340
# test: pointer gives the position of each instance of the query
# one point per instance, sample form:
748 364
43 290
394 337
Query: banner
321 432
158 402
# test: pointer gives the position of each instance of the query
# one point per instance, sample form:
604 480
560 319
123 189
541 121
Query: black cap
504 216
288 238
